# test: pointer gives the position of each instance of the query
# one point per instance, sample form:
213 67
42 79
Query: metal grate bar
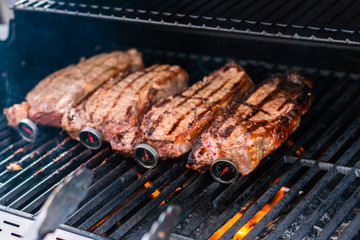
11 149
251 10
116 200
188 206
151 205
268 177
29 164
263 13
159 7
195 182
326 156
331 13
282 203
53 178
3 125
309 20
344 159
228 191
5 133
314 217
340 215
7 141
240 6
92 161
31 180
299 208
204 210
20 149
321 104
36 203
343 120
107 165
328 114
220 12
204 10
353 229
118 183
328 166
261 202
345 17
314 12
165 178
289 8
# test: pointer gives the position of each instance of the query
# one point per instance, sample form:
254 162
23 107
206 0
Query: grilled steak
250 129
54 95
173 124
119 105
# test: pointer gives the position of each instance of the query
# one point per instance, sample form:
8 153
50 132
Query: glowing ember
14 166
300 152
251 223
290 143
147 184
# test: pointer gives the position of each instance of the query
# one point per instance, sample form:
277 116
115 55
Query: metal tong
63 201
163 227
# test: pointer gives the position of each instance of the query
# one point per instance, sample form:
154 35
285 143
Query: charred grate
315 20
314 175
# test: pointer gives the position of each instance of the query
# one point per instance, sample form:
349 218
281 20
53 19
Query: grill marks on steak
66 88
253 127
173 124
118 107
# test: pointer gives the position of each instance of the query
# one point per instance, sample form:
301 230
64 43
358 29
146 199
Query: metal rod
314 217
353 229
339 217
130 223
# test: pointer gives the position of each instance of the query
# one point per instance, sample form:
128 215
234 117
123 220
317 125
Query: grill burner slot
125 199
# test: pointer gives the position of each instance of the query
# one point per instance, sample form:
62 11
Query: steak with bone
47 102
119 105
250 129
173 124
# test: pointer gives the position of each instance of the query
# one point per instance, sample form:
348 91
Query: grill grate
318 166
316 20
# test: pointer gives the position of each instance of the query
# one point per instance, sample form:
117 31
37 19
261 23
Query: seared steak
250 129
173 124
119 105
60 91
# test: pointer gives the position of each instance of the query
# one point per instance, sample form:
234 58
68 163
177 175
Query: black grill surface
318 168
327 21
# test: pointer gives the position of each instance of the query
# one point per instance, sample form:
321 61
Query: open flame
252 222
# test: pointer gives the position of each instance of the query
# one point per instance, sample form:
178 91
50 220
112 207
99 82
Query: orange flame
147 184
252 222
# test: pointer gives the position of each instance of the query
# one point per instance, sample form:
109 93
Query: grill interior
309 188
317 170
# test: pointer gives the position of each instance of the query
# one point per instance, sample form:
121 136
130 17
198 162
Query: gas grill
308 189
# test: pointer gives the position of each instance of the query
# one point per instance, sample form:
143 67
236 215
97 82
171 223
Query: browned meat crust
253 127
60 91
15 113
173 125
118 106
